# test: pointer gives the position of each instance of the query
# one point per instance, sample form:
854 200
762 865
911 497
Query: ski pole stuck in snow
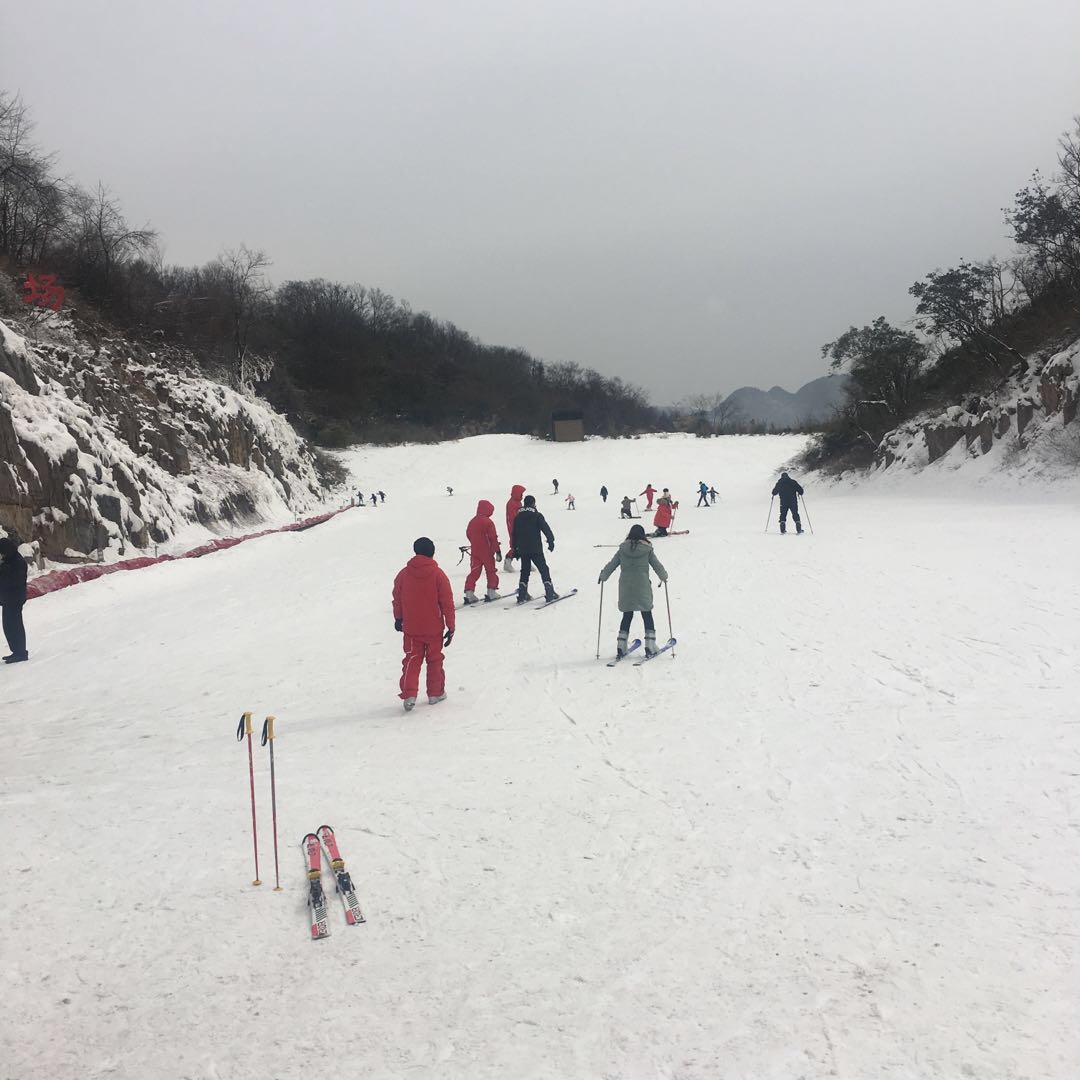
244 728
769 518
807 513
268 737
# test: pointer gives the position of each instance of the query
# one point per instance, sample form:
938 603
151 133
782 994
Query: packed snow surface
838 834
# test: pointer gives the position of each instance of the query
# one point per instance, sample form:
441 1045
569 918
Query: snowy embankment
837 835
109 451
1026 431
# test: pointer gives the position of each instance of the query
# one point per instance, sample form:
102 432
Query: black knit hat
424 546
529 500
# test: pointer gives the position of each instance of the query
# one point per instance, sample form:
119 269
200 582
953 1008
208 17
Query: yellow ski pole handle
244 727
268 730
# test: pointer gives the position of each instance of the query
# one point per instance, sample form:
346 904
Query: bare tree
245 288
102 238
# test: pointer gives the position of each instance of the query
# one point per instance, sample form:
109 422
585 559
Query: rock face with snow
104 447
1025 418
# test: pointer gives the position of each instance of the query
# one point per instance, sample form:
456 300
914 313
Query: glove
498 555
397 625
448 638
551 545
600 580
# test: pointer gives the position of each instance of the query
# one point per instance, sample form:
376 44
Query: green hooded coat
635 585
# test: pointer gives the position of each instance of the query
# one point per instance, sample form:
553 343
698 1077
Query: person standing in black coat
603 493
789 491
12 598
529 525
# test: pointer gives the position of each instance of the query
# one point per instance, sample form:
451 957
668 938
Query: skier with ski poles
424 613
789 491
634 559
529 525
627 510
484 554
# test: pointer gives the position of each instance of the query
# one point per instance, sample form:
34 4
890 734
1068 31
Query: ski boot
408 704
492 594
471 598
523 596
620 644
434 700
549 592
798 528
650 643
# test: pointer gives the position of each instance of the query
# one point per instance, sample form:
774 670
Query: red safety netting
62 579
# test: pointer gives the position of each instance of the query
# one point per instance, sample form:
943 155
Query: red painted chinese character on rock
42 290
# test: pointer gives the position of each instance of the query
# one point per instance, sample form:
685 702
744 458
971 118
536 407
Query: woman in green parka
634 557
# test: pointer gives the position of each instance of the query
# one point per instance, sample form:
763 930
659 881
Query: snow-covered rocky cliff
107 447
1029 425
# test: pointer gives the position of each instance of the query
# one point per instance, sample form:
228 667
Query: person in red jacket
513 505
664 513
649 492
485 552
424 613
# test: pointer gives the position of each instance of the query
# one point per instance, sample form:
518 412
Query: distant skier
789 491
374 501
703 494
570 504
486 551
649 492
513 505
634 557
627 510
529 525
712 494
449 490
555 483
603 493
665 511
382 496
360 499
424 613
12 599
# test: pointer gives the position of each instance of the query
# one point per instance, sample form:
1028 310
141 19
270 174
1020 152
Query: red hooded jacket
482 534
664 514
513 505
423 599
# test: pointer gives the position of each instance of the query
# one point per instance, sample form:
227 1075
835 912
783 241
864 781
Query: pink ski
353 914
316 897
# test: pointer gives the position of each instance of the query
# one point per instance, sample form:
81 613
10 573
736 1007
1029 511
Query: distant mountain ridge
778 408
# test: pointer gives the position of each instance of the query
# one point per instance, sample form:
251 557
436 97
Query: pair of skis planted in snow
636 644
313 849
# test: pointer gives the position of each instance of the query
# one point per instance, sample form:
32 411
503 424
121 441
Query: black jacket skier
12 598
603 493
529 526
789 491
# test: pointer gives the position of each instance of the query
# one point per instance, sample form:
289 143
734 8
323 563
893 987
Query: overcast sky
694 196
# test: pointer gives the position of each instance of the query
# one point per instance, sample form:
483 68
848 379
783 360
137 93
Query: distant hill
778 408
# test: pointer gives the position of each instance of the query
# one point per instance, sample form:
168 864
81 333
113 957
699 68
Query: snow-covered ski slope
837 835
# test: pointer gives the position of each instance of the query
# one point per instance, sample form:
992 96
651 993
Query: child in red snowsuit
664 514
649 492
485 551
423 608
513 505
